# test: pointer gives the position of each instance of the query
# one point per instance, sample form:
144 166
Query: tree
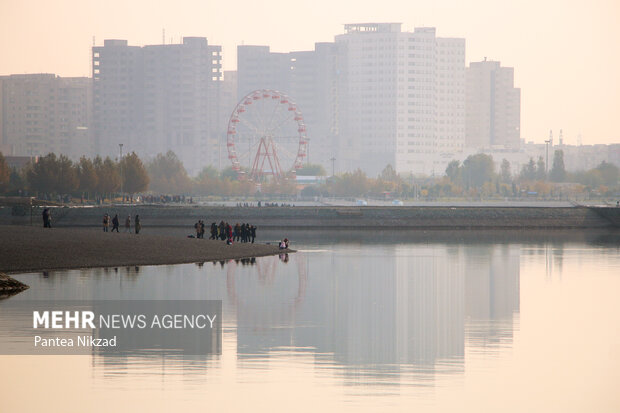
135 178
351 184
453 171
541 173
389 174
558 173
168 175
108 176
505 174
478 169
17 182
609 173
67 181
208 171
5 174
43 175
311 170
87 176
528 172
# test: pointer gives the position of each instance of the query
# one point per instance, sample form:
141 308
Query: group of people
116 223
226 232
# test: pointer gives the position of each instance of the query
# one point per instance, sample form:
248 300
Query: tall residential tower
493 106
158 98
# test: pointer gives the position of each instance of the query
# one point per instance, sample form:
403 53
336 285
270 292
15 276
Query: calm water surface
432 321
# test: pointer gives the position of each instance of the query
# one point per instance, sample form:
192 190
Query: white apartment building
402 100
493 107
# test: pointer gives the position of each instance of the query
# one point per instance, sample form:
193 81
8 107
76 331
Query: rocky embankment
10 286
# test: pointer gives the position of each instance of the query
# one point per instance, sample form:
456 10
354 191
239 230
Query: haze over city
564 53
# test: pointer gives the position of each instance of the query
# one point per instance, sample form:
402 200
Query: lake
360 321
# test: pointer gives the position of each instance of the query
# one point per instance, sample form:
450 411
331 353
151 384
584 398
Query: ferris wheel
266 136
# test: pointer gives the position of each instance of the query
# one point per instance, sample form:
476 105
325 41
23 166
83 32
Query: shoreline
335 217
35 249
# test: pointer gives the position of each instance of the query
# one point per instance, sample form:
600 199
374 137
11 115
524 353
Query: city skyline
547 53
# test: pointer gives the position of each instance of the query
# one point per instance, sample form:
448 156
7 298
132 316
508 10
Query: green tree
528 172
5 174
168 175
558 172
311 170
478 169
505 174
541 173
609 173
17 182
135 178
389 174
87 176
43 175
67 181
454 172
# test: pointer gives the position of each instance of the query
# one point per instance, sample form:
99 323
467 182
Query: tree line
475 177
88 178
165 174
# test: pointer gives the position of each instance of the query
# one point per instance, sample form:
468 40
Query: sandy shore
25 249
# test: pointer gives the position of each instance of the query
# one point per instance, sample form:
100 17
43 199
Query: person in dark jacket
47 218
253 233
115 223
137 224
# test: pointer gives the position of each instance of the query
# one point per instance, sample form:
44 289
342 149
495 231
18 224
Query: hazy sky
566 53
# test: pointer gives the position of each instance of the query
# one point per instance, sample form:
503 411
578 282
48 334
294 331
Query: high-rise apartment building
403 98
493 106
43 113
157 98
117 96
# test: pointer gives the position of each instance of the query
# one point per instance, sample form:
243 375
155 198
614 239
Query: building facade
157 98
373 97
403 102
43 113
493 106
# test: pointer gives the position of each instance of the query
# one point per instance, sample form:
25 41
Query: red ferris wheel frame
267 152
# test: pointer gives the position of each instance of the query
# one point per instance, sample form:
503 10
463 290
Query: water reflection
386 314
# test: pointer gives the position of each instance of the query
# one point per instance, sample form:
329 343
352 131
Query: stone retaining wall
333 217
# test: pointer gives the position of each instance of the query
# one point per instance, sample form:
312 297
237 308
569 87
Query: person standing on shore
222 230
47 218
253 233
106 222
128 224
115 223
229 234
138 225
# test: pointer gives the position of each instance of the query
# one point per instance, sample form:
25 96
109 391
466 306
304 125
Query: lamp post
547 142
120 146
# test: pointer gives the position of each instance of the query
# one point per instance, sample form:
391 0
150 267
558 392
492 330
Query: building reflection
390 313
379 317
